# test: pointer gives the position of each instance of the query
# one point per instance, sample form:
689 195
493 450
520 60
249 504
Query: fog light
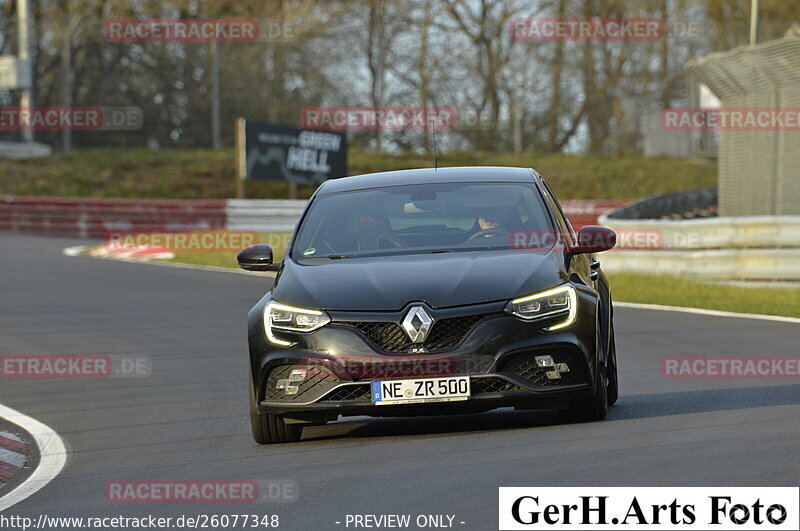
292 389
282 384
553 375
544 361
562 367
297 375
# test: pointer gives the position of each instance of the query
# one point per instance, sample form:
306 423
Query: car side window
561 219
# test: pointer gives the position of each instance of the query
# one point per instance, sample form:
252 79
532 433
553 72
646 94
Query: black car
431 291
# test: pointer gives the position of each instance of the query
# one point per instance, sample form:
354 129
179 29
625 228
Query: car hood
440 280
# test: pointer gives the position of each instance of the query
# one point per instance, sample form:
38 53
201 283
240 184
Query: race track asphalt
188 420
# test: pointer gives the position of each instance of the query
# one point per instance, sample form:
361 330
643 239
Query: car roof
458 174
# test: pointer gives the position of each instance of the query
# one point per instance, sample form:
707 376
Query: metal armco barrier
714 264
93 218
263 215
724 248
763 232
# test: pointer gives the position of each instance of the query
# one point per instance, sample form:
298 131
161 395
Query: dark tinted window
420 218
563 222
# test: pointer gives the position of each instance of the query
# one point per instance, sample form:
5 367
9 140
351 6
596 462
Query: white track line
78 251
701 311
75 251
52 456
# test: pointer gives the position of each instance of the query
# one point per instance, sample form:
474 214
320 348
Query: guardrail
723 248
93 218
761 232
714 264
263 215
763 247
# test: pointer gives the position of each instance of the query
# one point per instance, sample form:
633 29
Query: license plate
417 391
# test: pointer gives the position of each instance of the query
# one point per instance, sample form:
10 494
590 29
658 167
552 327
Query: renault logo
417 323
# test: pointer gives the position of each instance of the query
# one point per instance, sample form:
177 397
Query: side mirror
257 258
594 239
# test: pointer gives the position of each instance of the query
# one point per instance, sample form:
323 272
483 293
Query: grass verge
209 174
683 291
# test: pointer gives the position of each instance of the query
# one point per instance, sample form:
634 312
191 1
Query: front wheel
589 408
594 407
613 378
269 428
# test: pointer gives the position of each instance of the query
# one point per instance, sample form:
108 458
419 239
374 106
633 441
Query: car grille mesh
350 393
411 367
492 385
446 334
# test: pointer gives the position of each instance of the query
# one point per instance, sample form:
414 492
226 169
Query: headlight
556 301
279 317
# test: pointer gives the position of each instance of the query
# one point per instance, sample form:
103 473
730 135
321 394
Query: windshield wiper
438 251
329 257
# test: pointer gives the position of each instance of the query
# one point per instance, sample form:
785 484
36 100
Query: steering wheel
488 233
389 239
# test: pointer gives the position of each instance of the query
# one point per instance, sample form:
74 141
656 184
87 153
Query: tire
613 378
269 428
589 408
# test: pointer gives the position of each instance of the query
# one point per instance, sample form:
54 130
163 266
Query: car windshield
425 218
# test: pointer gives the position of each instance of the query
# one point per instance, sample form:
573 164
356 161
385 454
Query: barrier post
241 158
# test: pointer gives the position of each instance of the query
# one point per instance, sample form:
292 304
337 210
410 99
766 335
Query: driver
491 221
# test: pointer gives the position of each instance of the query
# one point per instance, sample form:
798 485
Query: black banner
301 156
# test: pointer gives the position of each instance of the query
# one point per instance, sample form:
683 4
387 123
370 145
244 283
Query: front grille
446 334
412 367
524 365
317 381
492 385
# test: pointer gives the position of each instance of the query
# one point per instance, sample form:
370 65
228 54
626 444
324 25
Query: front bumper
339 362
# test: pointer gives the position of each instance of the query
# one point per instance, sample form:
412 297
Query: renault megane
431 291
